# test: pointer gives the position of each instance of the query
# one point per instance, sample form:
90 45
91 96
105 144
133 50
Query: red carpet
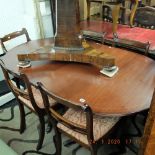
124 32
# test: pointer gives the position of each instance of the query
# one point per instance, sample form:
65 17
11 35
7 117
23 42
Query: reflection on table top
129 91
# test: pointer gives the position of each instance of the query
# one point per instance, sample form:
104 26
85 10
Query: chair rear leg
41 132
22 118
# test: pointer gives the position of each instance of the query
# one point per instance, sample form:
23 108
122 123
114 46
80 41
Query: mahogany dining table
129 91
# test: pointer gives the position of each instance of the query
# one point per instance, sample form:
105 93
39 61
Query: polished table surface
129 91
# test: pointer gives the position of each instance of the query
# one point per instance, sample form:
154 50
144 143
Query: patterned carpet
26 143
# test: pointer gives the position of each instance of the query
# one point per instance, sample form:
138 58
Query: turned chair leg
22 118
41 132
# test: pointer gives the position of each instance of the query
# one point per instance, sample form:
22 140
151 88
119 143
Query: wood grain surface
68 25
129 91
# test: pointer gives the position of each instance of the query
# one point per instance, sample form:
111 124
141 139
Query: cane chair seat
101 125
38 99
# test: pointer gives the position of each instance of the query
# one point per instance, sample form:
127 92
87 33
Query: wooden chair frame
16 89
12 36
55 117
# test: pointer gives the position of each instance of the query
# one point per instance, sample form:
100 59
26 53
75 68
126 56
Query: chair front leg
58 143
41 132
22 117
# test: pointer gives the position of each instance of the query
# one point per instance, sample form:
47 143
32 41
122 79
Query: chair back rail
12 36
87 130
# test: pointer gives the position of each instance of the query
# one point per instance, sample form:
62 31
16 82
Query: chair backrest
15 87
147 144
57 117
145 17
12 36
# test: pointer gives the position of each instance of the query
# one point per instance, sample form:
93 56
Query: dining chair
128 9
147 143
78 122
28 96
4 39
145 17
89 6
12 36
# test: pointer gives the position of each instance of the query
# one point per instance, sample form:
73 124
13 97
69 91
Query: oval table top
127 92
